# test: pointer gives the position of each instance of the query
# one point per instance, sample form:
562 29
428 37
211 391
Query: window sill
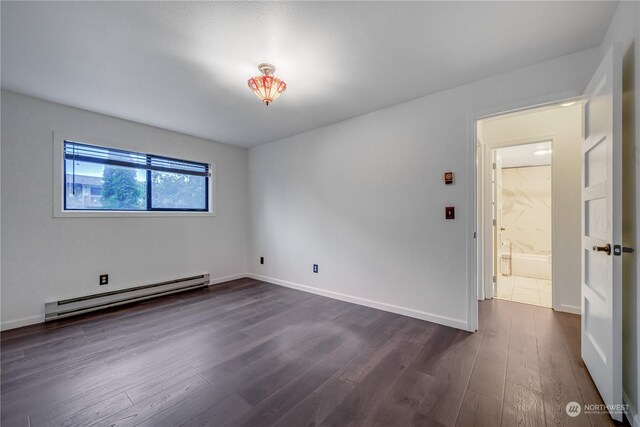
128 214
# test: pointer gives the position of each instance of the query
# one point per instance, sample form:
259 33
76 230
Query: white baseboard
39 318
569 309
422 315
632 415
23 321
228 278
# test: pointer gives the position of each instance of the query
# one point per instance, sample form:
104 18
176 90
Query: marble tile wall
526 209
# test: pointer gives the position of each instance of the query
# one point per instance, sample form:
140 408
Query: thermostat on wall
448 177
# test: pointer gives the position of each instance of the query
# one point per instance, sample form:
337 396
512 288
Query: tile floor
524 289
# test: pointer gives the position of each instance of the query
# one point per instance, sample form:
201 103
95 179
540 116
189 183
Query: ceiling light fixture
568 104
541 152
267 87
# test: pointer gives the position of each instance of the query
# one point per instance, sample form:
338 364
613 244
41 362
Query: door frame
475 240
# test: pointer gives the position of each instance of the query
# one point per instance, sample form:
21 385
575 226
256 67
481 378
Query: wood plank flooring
249 353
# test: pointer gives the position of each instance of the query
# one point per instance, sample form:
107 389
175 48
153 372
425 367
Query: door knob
606 249
502 229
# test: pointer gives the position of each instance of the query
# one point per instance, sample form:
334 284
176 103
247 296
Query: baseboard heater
86 304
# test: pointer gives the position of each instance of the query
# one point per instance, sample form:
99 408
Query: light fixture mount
266 69
267 87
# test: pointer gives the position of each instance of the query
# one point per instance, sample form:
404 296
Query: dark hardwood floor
249 353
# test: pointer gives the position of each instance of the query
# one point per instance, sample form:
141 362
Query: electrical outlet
261 260
104 279
315 268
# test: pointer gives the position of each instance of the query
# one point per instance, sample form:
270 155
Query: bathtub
531 265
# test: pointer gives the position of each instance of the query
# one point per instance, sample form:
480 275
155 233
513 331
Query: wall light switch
104 279
450 212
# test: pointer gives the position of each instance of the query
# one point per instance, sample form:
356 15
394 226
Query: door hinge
495 223
493 166
495 279
474 234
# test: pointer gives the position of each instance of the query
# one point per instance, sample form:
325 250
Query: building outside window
102 178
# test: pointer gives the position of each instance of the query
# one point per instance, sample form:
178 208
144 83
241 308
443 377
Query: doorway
522 205
529 210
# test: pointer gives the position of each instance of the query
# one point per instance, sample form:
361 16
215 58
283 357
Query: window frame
60 188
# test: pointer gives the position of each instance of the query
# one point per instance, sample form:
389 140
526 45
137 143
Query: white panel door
602 230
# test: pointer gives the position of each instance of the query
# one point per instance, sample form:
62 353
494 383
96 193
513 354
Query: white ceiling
524 155
183 66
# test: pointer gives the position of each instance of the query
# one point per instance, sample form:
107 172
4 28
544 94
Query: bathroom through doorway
521 198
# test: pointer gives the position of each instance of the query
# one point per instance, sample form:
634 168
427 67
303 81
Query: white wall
364 198
625 30
46 258
563 126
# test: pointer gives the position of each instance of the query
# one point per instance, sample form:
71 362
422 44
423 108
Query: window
107 179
